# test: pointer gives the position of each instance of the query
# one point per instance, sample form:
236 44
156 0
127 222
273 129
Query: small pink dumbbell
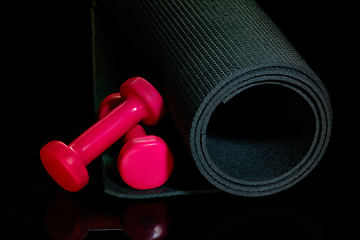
145 162
66 164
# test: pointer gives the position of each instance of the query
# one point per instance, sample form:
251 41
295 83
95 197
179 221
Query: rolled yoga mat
254 116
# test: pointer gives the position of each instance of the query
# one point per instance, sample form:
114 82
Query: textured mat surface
253 115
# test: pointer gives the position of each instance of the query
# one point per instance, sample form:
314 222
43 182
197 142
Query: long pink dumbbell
145 162
66 164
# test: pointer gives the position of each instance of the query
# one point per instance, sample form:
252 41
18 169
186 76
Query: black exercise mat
253 115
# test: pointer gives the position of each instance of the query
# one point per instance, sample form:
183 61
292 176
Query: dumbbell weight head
145 162
150 98
64 166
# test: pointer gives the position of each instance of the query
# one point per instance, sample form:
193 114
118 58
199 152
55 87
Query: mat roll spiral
254 115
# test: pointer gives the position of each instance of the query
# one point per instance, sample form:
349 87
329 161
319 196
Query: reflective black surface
47 95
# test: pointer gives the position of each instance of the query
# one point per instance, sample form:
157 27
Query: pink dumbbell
145 162
67 164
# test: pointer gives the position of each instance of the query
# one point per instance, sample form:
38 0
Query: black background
47 94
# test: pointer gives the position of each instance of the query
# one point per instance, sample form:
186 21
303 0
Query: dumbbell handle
108 104
94 141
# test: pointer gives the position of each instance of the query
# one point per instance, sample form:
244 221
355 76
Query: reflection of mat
268 219
255 118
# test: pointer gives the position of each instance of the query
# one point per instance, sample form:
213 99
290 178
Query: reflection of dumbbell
66 220
67 164
144 162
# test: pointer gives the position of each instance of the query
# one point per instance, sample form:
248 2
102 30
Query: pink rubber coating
136 132
67 164
64 166
145 162
108 104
